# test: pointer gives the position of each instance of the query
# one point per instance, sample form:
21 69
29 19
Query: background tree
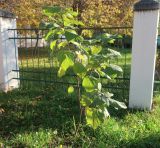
91 12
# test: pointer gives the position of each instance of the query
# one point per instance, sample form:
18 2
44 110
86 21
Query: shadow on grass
152 141
27 111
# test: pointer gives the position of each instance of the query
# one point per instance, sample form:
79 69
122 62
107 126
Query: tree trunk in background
79 5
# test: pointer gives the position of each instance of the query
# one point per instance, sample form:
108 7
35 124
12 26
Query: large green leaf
70 35
54 34
65 65
96 49
97 103
113 52
117 104
53 44
103 74
92 117
79 68
49 34
61 55
62 44
88 84
61 72
116 67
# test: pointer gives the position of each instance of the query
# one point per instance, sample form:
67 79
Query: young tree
87 59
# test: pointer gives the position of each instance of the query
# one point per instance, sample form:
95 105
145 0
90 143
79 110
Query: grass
48 117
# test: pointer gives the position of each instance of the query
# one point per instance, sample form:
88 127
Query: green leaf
97 103
96 49
88 84
99 86
105 97
49 34
85 101
61 72
61 55
70 35
114 53
75 43
69 15
79 68
62 44
108 95
111 41
70 89
49 11
106 113
73 13
117 103
103 74
116 67
53 44
66 21
65 65
53 34
92 117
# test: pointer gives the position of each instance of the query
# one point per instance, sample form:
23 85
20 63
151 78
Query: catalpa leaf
70 89
116 67
96 49
53 44
62 44
114 53
106 113
99 86
61 72
85 100
70 35
79 68
61 55
65 65
88 84
117 103
92 117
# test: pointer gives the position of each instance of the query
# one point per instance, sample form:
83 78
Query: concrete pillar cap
6 14
146 5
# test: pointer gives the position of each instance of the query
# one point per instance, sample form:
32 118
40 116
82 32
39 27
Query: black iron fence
37 67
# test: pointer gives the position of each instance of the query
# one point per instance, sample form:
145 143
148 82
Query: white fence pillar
146 18
8 52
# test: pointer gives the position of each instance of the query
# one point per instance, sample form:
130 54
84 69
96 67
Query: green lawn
47 116
50 119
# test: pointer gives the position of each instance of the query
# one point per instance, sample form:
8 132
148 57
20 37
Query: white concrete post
146 18
8 52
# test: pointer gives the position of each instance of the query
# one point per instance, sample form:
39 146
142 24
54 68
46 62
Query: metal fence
38 67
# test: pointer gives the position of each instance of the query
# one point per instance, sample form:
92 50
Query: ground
50 120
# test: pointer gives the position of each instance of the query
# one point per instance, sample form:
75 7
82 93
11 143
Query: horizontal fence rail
38 66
